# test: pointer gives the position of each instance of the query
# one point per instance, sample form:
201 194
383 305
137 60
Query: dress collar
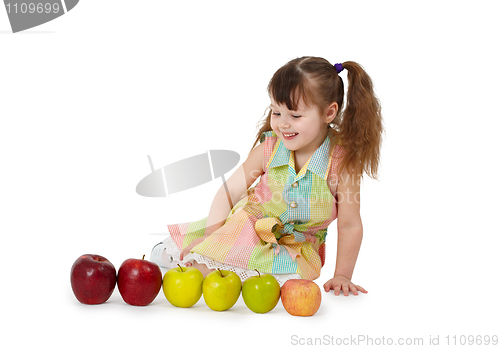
318 163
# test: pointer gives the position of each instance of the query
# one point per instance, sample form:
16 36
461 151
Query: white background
85 98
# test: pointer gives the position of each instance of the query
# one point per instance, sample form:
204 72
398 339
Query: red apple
93 279
139 281
301 297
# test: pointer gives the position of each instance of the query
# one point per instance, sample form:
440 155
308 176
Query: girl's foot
161 257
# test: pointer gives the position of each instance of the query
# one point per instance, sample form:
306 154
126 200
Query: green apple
182 286
261 293
221 289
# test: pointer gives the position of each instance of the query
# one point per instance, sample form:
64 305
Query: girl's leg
201 267
166 260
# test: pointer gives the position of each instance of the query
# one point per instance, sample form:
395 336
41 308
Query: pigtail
360 126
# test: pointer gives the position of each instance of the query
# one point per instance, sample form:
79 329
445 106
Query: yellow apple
182 286
221 289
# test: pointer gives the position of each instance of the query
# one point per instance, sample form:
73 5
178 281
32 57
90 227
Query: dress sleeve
269 139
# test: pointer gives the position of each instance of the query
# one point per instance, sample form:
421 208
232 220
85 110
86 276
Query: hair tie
338 67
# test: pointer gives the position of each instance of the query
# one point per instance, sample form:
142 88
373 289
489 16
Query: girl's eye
276 113
296 116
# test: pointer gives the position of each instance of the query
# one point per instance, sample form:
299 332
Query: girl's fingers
345 288
183 253
336 288
354 290
361 289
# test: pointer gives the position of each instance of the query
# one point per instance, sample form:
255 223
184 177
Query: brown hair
316 82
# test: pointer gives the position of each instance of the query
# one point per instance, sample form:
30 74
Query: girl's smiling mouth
289 135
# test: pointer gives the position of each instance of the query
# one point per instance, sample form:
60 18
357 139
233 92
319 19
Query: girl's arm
237 185
350 234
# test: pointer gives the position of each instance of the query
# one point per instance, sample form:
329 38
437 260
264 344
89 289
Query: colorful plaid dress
279 227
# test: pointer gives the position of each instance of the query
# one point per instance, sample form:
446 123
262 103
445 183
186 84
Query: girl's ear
331 112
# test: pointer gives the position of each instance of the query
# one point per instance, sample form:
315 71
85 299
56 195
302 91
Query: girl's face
302 130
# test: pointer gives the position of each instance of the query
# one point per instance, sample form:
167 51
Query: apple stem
182 271
143 256
220 272
257 272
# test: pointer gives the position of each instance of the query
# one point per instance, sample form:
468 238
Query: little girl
310 159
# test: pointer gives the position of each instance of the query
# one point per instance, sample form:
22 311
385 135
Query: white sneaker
161 257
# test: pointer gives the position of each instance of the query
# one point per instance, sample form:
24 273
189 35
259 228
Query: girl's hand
188 248
338 283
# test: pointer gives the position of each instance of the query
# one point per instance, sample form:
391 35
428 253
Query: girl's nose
284 125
